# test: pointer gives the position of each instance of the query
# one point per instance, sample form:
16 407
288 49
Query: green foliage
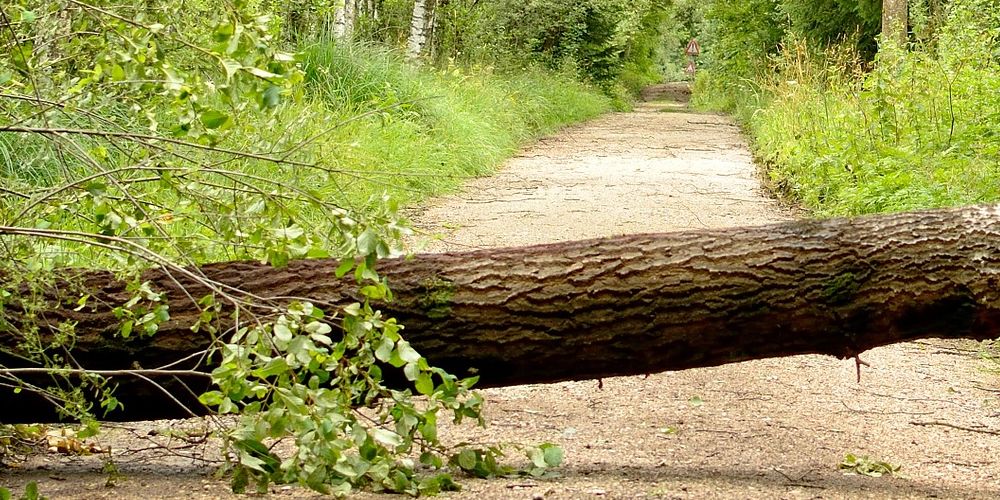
295 379
738 37
18 439
916 129
597 37
649 54
990 353
193 138
737 40
867 466
830 22
429 128
30 493
971 33
686 21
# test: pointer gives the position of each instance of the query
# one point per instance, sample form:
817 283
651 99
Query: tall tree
344 18
894 20
350 17
421 24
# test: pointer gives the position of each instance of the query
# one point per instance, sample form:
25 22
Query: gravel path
763 429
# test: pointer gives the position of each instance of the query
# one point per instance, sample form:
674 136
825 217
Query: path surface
762 429
658 168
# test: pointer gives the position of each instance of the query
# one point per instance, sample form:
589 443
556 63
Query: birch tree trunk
895 20
420 25
340 20
350 18
599 308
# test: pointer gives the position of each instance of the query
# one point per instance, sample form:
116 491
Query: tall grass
914 132
411 132
917 130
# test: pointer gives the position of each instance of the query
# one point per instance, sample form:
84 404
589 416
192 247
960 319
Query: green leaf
126 329
424 384
97 189
211 398
384 350
553 454
213 119
281 330
223 32
537 457
20 55
260 73
31 491
345 267
5 494
435 484
352 309
240 480
467 459
318 328
407 353
431 459
387 437
271 97
231 67
410 371
276 366
367 241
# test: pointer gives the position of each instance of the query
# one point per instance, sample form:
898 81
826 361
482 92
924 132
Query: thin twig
106 373
145 137
953 426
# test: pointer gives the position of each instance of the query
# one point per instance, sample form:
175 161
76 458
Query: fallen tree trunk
616 306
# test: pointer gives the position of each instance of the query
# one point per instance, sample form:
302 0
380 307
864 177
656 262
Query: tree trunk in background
894 21
600 308
420 25
339 21
350 18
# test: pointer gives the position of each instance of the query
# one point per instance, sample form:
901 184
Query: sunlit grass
915 132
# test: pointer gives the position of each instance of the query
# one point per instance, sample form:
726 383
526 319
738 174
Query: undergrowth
915 132
916 128
431 128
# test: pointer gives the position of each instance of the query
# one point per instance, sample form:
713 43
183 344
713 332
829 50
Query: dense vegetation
164 133
845 130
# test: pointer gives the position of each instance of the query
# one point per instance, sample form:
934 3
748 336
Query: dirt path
659 168
764 429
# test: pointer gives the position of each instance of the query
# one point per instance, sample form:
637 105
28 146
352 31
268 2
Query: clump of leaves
19 439
30 493
316 408
867 466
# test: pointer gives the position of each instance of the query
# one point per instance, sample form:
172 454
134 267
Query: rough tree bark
617 306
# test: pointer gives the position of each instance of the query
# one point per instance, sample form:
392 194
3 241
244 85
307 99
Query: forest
146 146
